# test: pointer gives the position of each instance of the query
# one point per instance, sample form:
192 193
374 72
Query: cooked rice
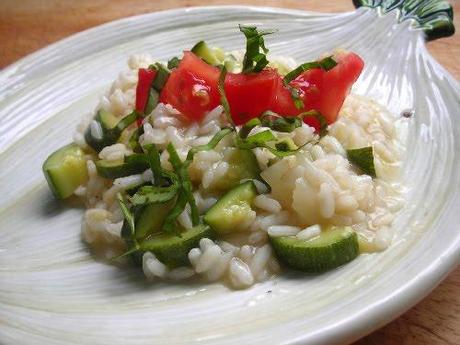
317 186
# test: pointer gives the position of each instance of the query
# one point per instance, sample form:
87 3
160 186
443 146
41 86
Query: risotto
232 165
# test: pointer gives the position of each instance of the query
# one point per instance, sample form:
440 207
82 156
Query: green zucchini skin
231 209
136 163
172 250
333 248
65 170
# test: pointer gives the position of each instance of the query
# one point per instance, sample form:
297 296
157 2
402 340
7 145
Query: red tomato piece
145 78
320 90
251 94
192 87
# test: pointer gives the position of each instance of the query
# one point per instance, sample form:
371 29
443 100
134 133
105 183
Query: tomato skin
192 87
320 90
249 95
145 78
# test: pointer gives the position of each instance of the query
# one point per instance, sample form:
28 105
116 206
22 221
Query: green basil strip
174 62
126 213
187 186
161 78
182 171
248 126
261 137
210 145
280 123
153 194
254 60
320 117
223 97
124 123
363 158
325 64
169 225
155 164
152 101
174 157
134 140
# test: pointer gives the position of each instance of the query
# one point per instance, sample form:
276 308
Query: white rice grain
266 203
283 230
326 201
309 232
240 274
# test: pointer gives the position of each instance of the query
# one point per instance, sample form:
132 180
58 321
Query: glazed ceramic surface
52 291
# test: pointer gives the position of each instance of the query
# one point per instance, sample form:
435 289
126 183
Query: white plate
53 292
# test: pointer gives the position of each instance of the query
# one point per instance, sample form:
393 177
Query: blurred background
28 25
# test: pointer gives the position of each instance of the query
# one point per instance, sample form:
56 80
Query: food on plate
231 165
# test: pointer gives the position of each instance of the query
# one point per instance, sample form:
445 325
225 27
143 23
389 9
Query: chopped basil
152 101
161 76
325 64
109 135
363 158
209 146
254 59
129 217
286 145
155 164
134 140
174 62
321 119
248 126
223 97
279 123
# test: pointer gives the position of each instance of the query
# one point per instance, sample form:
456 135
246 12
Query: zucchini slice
132 164
232 209
65 170
173 250
329 250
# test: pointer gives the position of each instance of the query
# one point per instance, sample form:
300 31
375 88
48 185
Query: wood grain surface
27 25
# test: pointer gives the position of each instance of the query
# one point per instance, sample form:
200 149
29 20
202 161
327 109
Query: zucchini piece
132 164
111 128
329 250
151 219
242 165
232 209
65 170
213 56
173 250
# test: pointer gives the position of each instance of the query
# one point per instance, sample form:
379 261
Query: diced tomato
251 94
145 79
324 91
192 87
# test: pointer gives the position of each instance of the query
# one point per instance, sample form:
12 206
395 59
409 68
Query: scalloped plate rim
381 311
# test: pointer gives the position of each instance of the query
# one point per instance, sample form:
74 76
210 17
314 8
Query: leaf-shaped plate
53 292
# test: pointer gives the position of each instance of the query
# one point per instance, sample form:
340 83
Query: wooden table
27 25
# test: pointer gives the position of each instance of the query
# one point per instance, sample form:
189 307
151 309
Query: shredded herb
209 146
129 217
325 64
109 135
174 62
279 123
363 158
134 140
223 97
321 119
161 77
255 58
248 126
152 101
153 194
155 165
169 225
